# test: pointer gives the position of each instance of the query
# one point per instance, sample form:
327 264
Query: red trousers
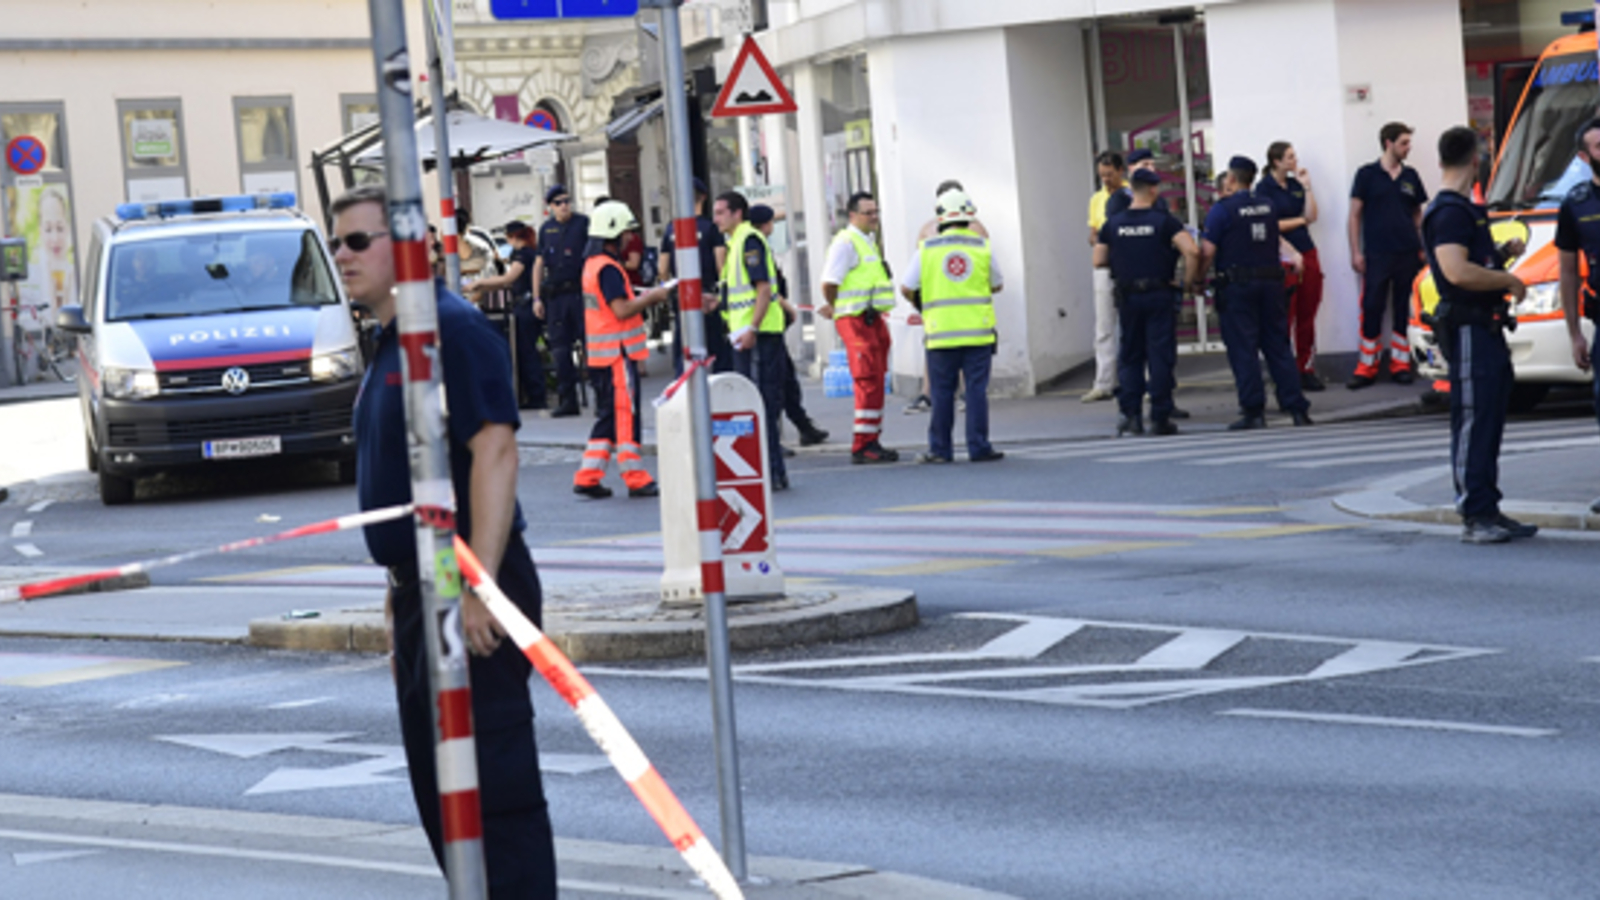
868 346
1305 298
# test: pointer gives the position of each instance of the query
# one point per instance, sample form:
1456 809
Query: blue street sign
563 9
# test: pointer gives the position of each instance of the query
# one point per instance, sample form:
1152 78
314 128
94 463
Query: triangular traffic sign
752 89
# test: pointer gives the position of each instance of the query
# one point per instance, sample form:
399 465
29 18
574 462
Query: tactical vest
957 304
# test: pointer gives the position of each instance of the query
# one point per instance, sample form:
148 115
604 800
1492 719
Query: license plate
240 448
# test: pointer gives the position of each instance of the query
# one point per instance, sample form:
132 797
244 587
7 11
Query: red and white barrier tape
678 383
606 730
343 523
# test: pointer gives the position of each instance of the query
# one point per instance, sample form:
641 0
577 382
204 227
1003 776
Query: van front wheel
114 489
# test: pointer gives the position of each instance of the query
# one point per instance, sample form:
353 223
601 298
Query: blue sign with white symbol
732 428
563 9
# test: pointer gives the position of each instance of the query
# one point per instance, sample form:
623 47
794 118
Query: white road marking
28 859
1443 451
41 506
298 704
28 550
1382 721
1192 649
22 529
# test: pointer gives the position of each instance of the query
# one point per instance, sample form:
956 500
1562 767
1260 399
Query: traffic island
615 620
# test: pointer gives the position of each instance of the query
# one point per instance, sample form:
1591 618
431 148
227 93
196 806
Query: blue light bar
192 206
1578 17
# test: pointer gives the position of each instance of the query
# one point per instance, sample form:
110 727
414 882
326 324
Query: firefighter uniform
748 265
866 295
957 278
614 348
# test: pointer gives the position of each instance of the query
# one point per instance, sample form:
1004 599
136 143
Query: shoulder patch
1582 192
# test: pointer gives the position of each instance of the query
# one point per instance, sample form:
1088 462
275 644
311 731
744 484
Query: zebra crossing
1320 447
919 540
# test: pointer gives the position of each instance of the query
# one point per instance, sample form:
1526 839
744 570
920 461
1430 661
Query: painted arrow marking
378 769
749 519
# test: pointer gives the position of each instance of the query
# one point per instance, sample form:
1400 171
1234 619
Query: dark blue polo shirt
1121 200
710 239
755 260
1140 244
1388 209
1578 226
523 286
478 391
1290 200
561 245
1453 219
1244 228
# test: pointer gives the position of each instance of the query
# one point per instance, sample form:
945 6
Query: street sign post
753 87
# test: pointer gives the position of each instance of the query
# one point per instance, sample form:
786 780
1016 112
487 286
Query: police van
211 330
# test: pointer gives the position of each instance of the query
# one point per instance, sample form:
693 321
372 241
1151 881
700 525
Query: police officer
761 216
518 848
857 294
1578 231
615 343
518 279
558 290
713 252
952 280
1242 246
1473 314
1141 246
755 319
1119 200
1386 200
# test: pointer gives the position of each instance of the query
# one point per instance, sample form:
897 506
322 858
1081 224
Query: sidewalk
1205 390
1552 489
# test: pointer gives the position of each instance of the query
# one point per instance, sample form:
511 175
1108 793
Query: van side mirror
70 319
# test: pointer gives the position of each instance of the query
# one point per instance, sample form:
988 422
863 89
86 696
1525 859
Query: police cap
1139 156
760 214
556 190
1145 176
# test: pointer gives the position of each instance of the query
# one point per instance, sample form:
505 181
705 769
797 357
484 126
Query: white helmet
955 206
611 219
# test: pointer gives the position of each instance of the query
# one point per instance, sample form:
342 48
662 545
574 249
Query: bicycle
38 351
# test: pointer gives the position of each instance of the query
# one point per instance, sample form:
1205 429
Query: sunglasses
357 241
561 201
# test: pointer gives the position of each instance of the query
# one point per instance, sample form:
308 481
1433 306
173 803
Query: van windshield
206 274
1539 163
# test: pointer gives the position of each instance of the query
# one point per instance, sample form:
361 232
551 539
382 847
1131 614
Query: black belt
561 287
1238 274
1144 286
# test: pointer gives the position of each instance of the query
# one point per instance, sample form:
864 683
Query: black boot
810 434
1130 425
1249 421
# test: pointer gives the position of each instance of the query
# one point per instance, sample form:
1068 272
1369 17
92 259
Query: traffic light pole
686 263
417 320
435 19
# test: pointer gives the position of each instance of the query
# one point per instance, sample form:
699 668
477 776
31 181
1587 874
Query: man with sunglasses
558 290
519 850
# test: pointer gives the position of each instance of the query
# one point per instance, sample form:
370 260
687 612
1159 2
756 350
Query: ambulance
1536 167
212 331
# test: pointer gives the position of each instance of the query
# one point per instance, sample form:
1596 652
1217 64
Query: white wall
939 111
1055 161
1344 43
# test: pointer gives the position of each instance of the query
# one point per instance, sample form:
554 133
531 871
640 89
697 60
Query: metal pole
455 755
1097 86
441 145
686 262
1191 197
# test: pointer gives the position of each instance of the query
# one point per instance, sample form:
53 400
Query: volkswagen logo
236 381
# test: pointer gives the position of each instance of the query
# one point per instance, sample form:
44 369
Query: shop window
153 161
264 127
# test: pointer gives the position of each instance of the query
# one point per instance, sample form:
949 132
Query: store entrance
1152 90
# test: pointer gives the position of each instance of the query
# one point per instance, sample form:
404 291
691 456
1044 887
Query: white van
212 329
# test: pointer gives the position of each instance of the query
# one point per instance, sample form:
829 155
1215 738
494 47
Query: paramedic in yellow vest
857 295
614 341
755 319
952 279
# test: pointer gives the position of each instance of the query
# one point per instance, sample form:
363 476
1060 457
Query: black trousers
530 366
518 846
563 322
793 399
763 364
1148 325
1480 393
1255 324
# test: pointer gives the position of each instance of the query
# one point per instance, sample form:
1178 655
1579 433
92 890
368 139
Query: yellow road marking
90 673
1207 512
801 520
936 507
609 538
1275 531
1089 550
272 573
935 567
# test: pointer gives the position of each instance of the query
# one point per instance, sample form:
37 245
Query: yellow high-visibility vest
957 304
867 286
739 309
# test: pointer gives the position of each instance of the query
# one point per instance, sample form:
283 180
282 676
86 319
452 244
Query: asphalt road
1235 691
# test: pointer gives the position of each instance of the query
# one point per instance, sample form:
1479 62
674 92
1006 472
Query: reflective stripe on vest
867 286
606 338
957 304
739 306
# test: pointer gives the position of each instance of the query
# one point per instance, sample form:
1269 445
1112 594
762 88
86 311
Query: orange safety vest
606 337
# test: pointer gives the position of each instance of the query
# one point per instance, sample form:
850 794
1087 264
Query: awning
629 122
473 138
